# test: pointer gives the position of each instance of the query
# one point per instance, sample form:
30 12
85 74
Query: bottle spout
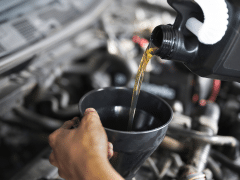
171 44
164 38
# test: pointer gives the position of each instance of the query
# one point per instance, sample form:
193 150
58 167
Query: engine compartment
99 46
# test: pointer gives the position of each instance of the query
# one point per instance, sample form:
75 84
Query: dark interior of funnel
116 118
113 105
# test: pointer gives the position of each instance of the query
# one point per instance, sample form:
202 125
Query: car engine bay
52 52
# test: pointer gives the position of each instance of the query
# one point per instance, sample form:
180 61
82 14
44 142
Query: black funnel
151 121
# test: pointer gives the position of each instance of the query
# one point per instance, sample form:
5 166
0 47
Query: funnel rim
129 132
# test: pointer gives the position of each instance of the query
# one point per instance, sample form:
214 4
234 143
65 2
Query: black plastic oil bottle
176 42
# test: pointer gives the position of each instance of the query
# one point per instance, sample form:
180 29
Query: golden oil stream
149 52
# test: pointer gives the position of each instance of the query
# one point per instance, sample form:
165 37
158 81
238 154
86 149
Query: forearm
99 170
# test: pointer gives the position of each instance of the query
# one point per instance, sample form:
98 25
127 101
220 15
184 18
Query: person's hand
76 150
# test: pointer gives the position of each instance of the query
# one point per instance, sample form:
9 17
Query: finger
57 136
52 139
90 110
91 118
110 150
110 145
69 124
61 132
110 153
52 159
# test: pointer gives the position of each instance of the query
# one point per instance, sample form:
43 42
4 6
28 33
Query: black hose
215 168
68 112
43 121
18 122
225 161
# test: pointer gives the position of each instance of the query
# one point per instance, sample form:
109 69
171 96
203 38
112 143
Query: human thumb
92 118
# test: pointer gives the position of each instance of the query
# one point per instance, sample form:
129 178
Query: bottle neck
173 45
165 38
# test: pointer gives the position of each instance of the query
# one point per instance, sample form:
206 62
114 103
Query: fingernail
89 110
110 154
110 145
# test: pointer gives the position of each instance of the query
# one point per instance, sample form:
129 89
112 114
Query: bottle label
233 58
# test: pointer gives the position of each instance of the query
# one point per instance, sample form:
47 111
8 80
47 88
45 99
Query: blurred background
54 51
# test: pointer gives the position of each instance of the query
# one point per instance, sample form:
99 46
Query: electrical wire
215 91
